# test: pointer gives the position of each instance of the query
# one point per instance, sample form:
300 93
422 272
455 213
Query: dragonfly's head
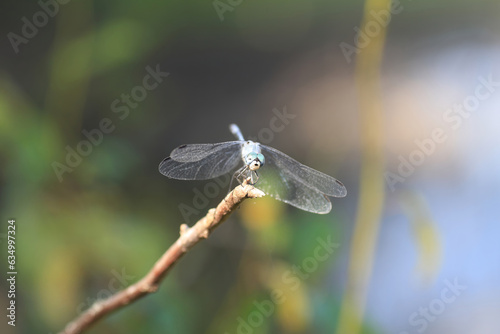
254 160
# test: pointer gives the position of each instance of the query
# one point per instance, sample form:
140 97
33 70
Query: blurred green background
99 224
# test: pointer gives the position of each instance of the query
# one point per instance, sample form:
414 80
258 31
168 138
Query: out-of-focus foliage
100 224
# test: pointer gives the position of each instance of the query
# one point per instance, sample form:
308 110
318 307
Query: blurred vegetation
115 213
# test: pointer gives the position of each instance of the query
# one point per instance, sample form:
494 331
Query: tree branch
150 283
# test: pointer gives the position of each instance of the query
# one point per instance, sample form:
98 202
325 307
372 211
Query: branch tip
183 229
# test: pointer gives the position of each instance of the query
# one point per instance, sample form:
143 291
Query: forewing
197 152
306 175
201 161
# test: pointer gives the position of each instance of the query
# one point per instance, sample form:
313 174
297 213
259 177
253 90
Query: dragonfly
268 169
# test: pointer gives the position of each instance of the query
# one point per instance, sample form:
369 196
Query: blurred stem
372 195
150 283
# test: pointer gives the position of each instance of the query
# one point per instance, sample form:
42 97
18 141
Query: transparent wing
314 179
296 184
201 161
197 152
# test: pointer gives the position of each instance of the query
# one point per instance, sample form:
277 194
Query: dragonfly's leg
254 177
242 174
231 182
236 176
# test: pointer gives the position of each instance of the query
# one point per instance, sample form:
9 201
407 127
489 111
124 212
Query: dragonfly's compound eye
250 157
261 159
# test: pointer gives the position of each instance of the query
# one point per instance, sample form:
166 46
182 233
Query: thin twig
150 283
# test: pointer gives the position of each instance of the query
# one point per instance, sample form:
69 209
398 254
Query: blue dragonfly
270 170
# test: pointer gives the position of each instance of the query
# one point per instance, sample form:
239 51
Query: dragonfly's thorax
249 147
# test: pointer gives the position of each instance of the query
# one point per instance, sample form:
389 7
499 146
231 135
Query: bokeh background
356 116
